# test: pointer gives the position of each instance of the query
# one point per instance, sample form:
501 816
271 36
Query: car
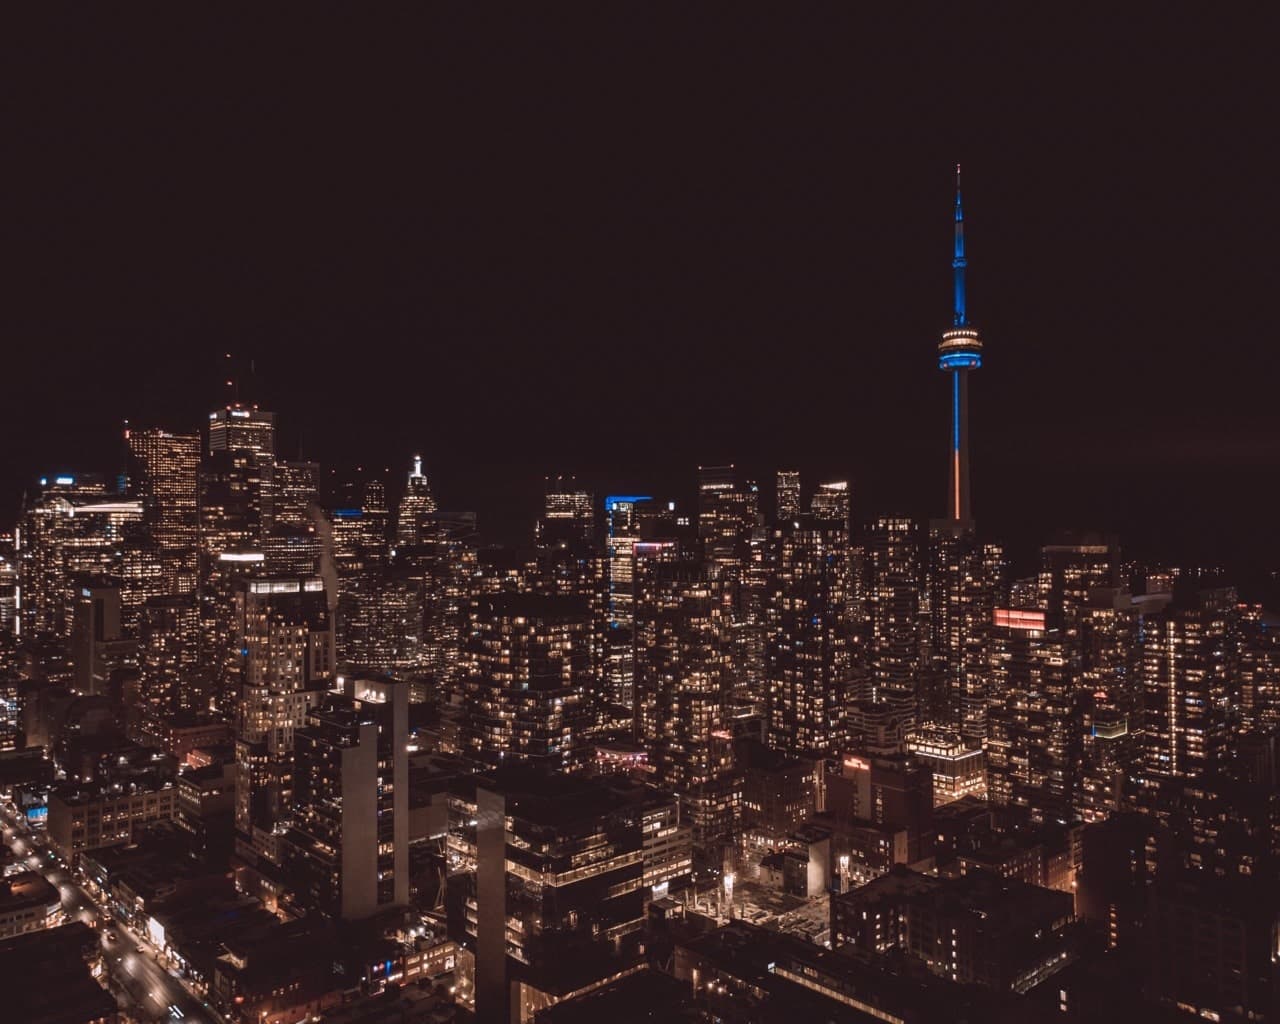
113 936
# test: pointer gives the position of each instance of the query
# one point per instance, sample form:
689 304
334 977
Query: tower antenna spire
960 317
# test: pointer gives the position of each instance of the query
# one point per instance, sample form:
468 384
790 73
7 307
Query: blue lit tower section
959 352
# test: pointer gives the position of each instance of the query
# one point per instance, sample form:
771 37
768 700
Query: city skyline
622 300
500 522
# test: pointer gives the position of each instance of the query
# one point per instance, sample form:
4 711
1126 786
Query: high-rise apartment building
287 664
682 686
893 604
810 635
962 579
528 691
347 849
1185 665
1034 717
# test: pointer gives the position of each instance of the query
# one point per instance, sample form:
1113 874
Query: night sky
620 244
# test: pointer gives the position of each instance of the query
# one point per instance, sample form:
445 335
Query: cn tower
959 352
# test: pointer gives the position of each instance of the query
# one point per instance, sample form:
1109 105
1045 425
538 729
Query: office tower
163 475
787 494
1033 717
809 645
1185 665
622 524
72 530
448 557
231 528
416 502
893 604
294 488
569 561
243 428
98 644
727 514
527 694
831 501
220 627
347 851
682 687
963 577
568 514
286 643
1070 568
959 352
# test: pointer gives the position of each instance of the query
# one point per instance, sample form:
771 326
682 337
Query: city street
152 994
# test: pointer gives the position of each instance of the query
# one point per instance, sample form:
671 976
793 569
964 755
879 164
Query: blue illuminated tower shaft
959 352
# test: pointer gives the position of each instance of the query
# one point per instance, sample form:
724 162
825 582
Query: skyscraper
893 603
959 352
416 502
787 494
348 848
286 638
243 428
809 648
163 471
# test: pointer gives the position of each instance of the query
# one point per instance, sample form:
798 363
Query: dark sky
619 243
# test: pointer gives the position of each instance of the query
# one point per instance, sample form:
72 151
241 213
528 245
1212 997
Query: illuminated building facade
809 647
787 494
682 686
526 697
417 501
347 849
73 530
959 770
163 475
171 678
243 428
287 664
1259 669
1185 666
1033 742
622 518
893 604
963 578
831 502
729 522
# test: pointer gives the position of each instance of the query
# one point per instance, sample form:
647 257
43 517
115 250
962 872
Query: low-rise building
28 903
89 817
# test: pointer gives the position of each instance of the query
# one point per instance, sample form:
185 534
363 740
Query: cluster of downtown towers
237 586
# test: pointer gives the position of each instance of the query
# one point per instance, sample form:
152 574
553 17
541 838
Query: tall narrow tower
959 352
